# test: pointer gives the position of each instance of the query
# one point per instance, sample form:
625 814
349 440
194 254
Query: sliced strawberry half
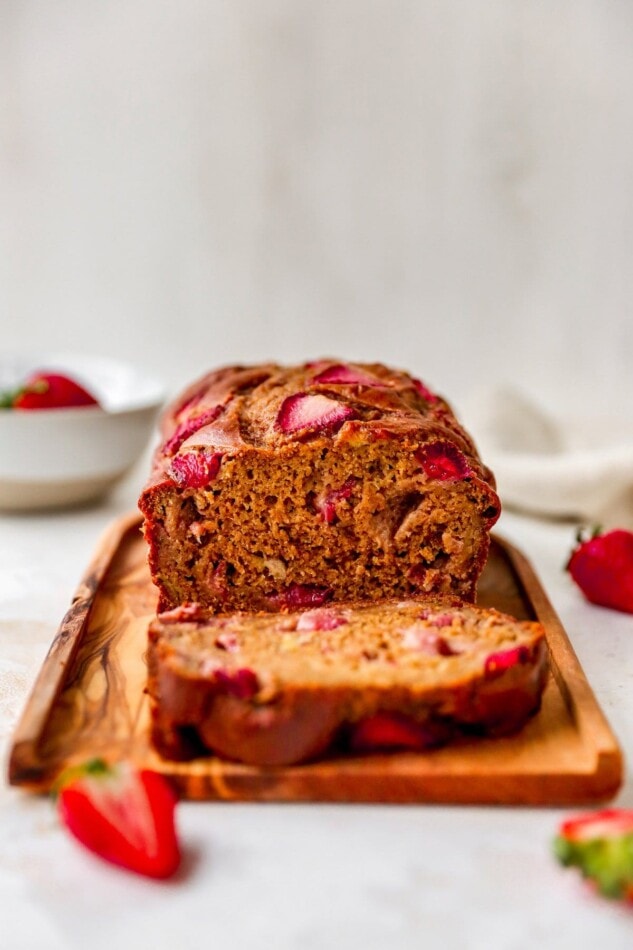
348 376
48 391
195 469
443 461
600 845
602 566
303 412
121 814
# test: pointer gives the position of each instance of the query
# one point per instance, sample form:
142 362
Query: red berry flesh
603 569
442 461
312 413
195 469
188 428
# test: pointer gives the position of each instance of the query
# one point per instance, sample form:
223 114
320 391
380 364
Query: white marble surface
301 876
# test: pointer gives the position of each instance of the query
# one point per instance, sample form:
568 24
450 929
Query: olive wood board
89 700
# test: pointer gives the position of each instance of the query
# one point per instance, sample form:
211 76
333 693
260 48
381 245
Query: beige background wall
447 185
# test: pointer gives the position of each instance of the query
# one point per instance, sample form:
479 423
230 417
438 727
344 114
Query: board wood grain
89 700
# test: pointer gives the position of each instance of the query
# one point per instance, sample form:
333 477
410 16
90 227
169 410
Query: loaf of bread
281 488
274 689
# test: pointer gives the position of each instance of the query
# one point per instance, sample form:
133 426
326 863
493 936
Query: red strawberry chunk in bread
188 428
503 660
326 502
312 413
195 469
443 461
323 618
346 375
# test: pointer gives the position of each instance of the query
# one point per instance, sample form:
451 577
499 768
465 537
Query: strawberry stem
92 767
582 536
9 396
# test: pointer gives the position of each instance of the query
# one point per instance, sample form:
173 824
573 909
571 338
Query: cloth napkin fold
577 468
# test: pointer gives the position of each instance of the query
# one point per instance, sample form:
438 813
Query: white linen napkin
579 468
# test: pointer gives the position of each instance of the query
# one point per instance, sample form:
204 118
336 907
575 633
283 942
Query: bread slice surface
275 689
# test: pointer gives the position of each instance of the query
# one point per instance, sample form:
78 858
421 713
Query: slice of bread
275 689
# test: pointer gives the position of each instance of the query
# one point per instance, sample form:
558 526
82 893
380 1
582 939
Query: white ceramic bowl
59 457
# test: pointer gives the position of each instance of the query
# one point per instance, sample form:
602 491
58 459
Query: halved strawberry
602 566
121 814
600 844
48 391
312 413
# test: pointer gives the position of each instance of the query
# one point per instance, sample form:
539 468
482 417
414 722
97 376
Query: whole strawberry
601 846
602 566
121 814
44 390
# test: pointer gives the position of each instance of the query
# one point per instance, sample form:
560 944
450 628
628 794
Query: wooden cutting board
89 700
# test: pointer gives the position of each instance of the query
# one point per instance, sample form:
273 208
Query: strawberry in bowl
43 390
70 427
